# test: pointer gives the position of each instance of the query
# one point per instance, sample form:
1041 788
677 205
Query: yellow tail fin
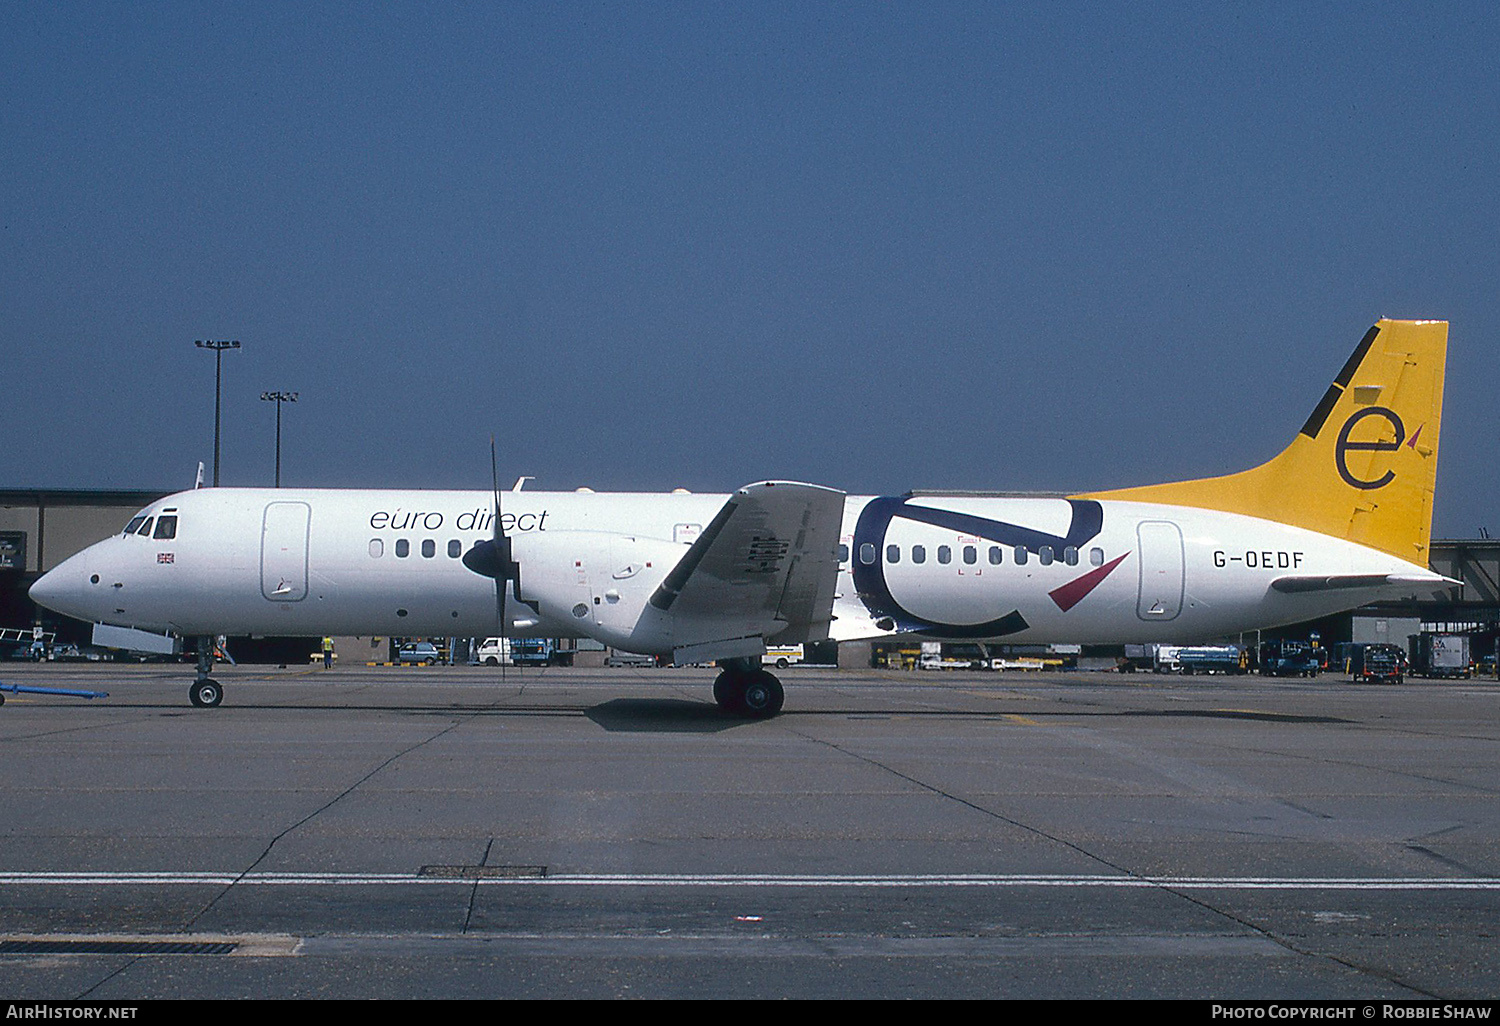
1364 465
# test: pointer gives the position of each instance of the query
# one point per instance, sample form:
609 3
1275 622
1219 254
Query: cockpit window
145 529
166 527
136 522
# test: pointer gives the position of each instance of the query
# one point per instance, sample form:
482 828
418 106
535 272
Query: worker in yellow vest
327 653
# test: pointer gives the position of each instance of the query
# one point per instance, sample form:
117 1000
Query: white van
493 652
782 656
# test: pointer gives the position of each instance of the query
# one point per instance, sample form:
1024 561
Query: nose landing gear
744 689
206 692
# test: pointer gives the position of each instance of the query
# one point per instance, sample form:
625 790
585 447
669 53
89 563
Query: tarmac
459 833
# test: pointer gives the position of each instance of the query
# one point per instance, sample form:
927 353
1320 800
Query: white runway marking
727 880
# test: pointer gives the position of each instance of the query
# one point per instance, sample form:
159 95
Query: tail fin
1364 465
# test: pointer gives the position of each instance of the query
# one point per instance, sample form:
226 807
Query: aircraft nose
63 589
44 591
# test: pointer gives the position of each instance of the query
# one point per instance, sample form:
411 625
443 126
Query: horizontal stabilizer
1344 582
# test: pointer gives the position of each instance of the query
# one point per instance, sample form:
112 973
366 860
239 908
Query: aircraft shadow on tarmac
1236 714
622 715
663 715
675 715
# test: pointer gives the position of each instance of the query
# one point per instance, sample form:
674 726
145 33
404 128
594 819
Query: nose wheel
754 693
206 692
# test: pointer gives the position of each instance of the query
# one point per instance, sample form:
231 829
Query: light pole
218 347
278 398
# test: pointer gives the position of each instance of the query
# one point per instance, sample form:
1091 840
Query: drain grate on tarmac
84 946
483 872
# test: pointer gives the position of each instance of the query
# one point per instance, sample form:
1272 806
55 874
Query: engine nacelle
601 583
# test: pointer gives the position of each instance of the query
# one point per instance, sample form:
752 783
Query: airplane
1340 518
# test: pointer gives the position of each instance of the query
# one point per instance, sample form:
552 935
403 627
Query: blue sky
875 246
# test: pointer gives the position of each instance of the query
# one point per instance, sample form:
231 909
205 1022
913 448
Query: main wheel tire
726 694
761 696
206 693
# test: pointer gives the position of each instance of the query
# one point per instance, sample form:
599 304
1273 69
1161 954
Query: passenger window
996 555
131 527
843 553
945 554
893 553
429 548
1045 555
403 548
166 528
455 549
919 553
145 531
377 548
1096 556
867 554
1070 555
971 555
1021 555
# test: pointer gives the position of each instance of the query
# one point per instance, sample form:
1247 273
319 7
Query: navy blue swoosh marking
869 579
1088 521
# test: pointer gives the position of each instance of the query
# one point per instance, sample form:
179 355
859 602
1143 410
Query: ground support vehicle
1376 663
539 652
939 656
1213 659
618 658
783 655
492 652
1441 655
1287 658
1164 659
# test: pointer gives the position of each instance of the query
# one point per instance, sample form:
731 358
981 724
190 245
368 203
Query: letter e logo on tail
1342 447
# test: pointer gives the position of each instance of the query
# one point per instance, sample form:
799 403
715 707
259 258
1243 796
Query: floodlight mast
278 398
218 347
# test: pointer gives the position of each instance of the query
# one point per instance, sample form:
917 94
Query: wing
766 566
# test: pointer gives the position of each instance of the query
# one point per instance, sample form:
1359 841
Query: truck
937 655
539 652
1440 655
531 652
1229 659
933 658
493 652
1290 658
1164 659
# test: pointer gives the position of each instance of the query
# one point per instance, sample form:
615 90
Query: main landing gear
206 692
743 688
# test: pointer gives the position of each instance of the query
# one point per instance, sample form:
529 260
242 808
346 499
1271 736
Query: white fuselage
316 561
